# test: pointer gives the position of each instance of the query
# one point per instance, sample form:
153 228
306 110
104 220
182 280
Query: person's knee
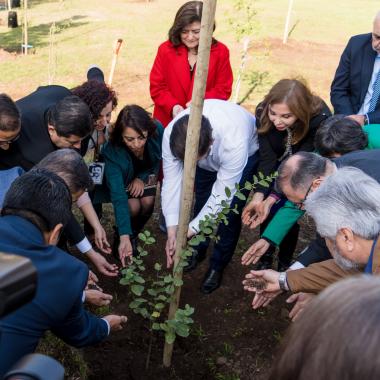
147 205
134 207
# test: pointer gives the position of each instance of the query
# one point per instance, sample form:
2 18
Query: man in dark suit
356 85
51 118
35 209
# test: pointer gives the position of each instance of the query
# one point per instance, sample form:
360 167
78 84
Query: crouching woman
132 160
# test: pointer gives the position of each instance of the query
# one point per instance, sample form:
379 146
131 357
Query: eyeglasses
9 142
299 205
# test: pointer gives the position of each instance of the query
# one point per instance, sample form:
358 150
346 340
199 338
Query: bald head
297 174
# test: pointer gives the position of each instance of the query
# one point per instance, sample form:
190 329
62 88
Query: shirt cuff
83 296
108 326
171 220
296 265
84 245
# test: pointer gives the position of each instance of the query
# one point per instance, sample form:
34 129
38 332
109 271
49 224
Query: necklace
288 145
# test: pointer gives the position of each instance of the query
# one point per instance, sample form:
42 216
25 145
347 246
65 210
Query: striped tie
375 92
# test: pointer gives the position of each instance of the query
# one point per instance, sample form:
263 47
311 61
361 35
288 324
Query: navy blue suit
57 305
353 76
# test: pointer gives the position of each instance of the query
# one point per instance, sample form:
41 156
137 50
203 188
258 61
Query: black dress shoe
211 281
194 260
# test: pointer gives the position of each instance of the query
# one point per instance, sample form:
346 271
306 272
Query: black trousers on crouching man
229 234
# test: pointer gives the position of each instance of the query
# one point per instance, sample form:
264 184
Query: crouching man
36 208
227 155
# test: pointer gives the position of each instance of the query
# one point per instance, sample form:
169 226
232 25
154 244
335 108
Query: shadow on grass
38 35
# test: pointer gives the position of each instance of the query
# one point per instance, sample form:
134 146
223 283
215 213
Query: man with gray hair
356 86
299 176
346 211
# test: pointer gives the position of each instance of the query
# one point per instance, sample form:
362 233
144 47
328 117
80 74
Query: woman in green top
132 161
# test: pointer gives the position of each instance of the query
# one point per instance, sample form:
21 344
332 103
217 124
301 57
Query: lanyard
368 268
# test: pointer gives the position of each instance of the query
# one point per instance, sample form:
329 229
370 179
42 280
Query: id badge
96 170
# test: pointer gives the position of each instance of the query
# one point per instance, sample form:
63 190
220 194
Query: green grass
87 29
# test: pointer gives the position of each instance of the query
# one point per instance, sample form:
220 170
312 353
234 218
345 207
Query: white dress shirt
234 140
367 100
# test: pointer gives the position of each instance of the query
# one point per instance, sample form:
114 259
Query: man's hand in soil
97 297
254 252
301 301
101 264
171 245
262 280
116 321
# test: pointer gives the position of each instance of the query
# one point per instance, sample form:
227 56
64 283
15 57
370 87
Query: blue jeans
229 234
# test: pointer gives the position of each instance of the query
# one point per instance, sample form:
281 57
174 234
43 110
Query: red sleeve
223 76
159 90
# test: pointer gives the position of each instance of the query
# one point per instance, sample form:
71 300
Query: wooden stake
9 5
116 50
25 27
286 30
192 141
242 66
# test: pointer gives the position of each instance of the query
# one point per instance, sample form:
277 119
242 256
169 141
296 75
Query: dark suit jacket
34 143
57 305
353 76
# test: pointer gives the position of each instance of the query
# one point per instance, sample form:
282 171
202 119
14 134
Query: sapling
152 295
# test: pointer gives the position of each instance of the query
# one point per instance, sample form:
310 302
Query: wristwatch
282 282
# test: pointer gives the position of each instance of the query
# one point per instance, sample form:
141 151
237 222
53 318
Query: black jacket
272 144
34 143
353 76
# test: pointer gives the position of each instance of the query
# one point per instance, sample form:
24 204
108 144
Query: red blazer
171 82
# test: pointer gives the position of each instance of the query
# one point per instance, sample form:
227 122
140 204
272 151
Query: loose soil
228 341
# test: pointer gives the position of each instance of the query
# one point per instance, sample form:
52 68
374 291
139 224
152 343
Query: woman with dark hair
172 74
102 100
287 120
336 337
132 159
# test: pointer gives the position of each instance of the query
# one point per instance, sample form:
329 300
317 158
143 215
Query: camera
18 285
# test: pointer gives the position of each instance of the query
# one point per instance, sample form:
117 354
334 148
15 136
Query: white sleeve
172 183
229 174
84 245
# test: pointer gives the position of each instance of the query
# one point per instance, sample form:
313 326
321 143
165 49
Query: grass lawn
85 31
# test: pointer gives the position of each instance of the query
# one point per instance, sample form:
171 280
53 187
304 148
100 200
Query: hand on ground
97 297
116 321
101 264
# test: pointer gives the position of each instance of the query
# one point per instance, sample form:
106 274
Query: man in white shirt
228 154
355 89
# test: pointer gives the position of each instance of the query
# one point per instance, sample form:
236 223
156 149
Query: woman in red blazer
172 74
